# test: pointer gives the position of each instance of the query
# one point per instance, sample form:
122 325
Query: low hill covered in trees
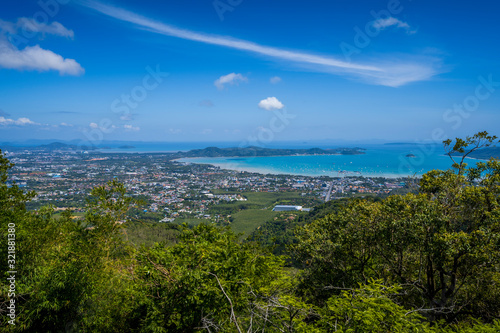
259 151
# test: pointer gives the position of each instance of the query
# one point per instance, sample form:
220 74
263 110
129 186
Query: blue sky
248 71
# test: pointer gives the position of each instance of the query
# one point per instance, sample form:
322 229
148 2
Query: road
329 193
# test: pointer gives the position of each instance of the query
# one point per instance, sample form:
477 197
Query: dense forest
420 262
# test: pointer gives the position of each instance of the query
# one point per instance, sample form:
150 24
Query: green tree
441 245
206 281
71 275
13 215
369 308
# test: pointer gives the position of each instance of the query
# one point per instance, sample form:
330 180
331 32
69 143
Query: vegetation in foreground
425 262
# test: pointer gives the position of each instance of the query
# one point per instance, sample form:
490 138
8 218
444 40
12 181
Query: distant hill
258 151
47 147
486 153
55 146
206 152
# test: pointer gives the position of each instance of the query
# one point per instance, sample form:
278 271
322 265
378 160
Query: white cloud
55 28
372 73
401 73
35 57
389 22
24 121
231 79
271 103
275 80
93 125
19 122
165 29
130 128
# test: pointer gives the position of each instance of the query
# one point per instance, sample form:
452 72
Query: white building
286 208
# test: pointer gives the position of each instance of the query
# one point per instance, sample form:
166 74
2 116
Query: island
253 151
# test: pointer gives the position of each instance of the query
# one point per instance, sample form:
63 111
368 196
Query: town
178 192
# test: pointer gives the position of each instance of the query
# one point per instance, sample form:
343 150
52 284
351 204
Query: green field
269 199
259 209
249 215
248 220
264 199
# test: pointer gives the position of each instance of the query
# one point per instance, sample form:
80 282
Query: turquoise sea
379 161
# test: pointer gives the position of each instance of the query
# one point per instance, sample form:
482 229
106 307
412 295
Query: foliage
369 308
147 233
203 280
248 220
441 245
422 262
70 273
279 232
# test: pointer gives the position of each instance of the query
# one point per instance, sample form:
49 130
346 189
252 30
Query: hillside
486 153
258 151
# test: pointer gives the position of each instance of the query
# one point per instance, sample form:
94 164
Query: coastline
270 171
469 158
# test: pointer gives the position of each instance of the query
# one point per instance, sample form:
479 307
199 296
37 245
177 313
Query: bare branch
233 316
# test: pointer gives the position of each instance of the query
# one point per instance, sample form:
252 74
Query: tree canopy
441 245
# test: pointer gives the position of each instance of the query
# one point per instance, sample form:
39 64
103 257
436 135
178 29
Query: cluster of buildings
170 189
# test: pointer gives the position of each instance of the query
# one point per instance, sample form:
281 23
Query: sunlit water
378 161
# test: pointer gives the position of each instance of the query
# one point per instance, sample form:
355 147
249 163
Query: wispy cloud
31 26
130 128
373 73
271 103
206 103
275 80
19 122
127 116
24 122
126 127
34 57
230 79
392 22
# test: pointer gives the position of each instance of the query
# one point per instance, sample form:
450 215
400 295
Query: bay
390 161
